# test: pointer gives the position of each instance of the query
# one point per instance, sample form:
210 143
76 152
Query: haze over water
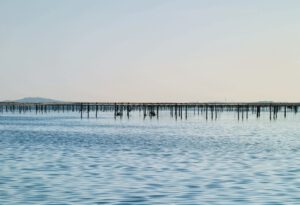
150 50
60 159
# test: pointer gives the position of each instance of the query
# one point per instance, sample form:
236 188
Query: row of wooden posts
176 110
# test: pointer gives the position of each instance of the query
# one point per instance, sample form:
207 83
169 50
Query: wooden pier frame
176 110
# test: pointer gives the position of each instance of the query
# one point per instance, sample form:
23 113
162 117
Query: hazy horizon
45 99
147 51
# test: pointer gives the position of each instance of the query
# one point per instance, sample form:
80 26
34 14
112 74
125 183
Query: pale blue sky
163 50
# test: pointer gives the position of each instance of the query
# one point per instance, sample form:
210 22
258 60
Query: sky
150 50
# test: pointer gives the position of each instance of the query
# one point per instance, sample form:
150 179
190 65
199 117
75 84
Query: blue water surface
61 159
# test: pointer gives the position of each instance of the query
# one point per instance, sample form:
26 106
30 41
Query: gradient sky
155 50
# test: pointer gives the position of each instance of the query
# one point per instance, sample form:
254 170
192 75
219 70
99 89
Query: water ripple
60 159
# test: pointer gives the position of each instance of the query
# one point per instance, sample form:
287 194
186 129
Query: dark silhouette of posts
257 111
96 110
127 110
115 110
238 111
243 110
81 108
176 111
88 110
216 112
284 111
186 109
270 110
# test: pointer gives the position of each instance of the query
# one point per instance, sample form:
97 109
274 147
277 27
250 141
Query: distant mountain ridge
36 100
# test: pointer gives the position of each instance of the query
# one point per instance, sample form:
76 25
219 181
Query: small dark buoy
118 114
152 113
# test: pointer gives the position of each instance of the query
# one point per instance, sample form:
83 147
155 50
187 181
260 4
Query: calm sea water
60 159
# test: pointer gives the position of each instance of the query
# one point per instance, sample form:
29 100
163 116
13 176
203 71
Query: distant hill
36 100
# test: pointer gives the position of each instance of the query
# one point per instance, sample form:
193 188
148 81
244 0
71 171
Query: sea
58 158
